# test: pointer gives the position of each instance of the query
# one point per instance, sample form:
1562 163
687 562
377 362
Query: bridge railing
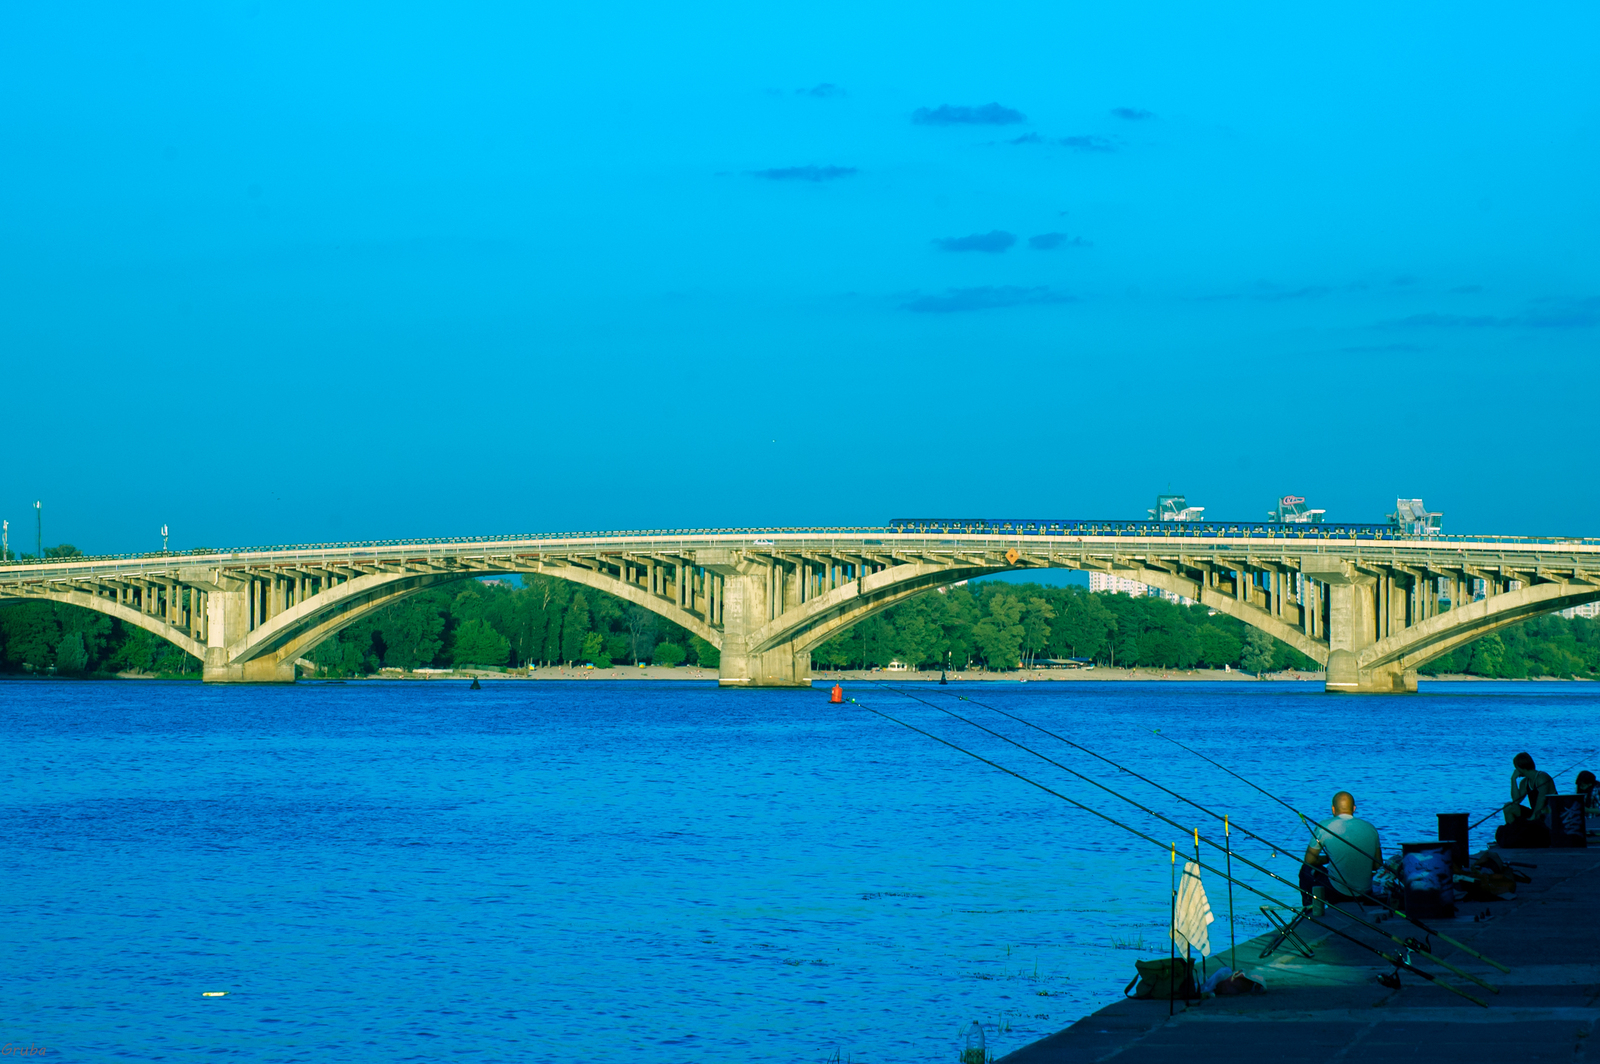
922 528
451 541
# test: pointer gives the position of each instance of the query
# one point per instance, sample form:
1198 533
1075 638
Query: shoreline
1098 674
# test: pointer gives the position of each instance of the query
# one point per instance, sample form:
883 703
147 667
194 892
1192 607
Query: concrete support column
747 598
1353 625
228 604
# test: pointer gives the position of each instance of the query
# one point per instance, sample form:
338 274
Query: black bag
1163 979
1523 833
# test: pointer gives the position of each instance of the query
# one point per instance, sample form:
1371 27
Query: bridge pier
1355 614
228 604
1345 676
753 593
260 670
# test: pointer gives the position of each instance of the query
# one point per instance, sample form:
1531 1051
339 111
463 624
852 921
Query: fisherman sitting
1344 852
1525 826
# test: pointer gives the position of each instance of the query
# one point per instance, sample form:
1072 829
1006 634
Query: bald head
1344 804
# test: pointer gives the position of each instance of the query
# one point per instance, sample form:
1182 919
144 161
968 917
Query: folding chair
1288 928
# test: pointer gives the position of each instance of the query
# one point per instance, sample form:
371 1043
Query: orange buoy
838 694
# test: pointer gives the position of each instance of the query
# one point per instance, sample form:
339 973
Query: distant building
1414 519
1588 609
1118 585
1122 585
1175 508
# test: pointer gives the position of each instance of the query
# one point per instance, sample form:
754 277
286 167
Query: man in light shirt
1343 854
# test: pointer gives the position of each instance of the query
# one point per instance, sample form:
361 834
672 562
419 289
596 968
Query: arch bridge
1370 609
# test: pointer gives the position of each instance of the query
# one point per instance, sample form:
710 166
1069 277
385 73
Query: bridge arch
1411 648
845 607
124 613
296 631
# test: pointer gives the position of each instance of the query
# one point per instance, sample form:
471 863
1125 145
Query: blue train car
1018 526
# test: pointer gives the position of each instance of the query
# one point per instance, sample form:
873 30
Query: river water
643 871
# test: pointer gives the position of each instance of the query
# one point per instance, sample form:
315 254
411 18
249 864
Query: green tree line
991 625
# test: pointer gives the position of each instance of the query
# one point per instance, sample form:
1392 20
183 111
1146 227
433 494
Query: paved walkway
1332 1008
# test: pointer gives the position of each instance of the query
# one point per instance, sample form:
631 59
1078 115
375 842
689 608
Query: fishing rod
1398 962
1304 820
1100 757
1306 823
1241 779
1563 772
1211 842
1414 921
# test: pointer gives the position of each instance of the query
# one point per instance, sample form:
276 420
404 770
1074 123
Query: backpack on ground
1162 979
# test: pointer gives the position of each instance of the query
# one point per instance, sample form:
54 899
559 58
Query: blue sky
282 273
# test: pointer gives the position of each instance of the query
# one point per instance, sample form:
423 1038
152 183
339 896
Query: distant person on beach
1344 852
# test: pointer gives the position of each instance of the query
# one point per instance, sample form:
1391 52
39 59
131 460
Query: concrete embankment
1332 1007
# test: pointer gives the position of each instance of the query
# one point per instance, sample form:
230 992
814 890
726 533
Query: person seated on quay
1528 782
1585 789
1526 827
1344 852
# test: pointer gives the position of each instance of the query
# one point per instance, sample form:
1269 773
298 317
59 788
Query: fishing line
1397 962
1100 757
1187 830
1235 775
1414 921
1307 823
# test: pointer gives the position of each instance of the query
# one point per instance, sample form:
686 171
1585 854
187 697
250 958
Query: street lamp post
38 530
163 539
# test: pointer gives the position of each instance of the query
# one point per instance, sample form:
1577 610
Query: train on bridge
1014 526
1173 518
